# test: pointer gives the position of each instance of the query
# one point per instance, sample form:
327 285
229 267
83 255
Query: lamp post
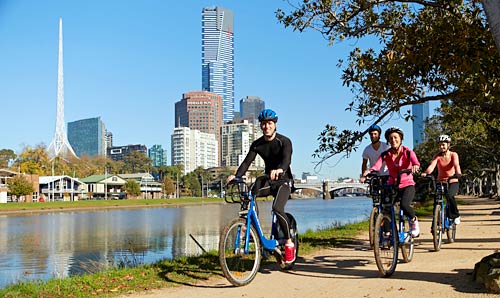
105 183
146 185
53 182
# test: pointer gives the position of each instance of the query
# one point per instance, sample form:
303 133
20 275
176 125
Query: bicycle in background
242 242
441 223
392 231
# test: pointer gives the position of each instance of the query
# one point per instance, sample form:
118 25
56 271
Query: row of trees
36 161
431 50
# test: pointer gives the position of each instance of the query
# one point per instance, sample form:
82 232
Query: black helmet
268 114
391 130
374 127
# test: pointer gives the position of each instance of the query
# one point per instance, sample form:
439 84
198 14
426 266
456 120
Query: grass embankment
167 273
99 204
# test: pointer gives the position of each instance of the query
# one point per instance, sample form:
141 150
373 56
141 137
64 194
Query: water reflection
60 244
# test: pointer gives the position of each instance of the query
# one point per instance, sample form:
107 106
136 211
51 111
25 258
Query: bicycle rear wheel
371 229
408 246
239 267
295 239
385 245
437 227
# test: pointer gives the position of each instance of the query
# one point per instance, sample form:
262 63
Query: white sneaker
457 220
415 228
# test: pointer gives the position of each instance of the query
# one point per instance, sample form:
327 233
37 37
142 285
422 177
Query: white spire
60 144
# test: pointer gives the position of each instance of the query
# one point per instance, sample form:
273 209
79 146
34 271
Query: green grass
104 203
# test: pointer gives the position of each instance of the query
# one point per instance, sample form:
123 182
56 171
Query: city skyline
131 64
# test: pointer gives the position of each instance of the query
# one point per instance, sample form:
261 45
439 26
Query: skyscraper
200 110
60 144
250 107
88 136
217 56
192 148
158 155
420 113
236 139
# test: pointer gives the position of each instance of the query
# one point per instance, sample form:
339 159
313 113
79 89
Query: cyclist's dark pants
280 190
452 204
407 194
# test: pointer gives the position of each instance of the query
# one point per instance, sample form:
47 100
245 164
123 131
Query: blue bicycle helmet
393 129
268 114
374 127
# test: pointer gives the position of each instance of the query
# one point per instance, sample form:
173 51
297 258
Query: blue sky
130 61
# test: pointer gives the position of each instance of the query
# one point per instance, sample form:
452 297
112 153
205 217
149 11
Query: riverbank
350 270
96 205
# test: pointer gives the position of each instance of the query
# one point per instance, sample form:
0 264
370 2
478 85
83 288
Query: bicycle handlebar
454 176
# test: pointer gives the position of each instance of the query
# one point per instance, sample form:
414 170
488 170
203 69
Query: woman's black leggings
452 203
407 194
280 190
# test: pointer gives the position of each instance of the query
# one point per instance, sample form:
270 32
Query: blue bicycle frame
252 218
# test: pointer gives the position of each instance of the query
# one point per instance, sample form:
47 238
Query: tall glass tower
251 106
420 113
88 136
217 56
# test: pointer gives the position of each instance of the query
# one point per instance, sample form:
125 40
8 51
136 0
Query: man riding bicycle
372 152
276 151
448 164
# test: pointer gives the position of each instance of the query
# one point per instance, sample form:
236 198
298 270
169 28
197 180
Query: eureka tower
217 56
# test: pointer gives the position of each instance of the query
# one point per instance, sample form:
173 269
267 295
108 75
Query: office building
250 107
192 148
118 153
87 137
217 56
109 139
200 110
236 139
420 114
158 156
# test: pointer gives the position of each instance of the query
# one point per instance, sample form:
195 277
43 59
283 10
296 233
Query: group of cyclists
385 158
398 157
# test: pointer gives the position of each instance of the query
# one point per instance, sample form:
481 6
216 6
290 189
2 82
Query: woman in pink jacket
398 158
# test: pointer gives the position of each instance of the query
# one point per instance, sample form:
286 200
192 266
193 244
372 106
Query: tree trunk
497 180
492 10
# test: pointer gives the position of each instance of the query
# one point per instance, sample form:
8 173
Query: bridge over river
328 188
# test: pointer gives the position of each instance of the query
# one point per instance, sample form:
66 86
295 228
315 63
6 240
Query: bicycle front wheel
437 227
371 229
238 266
408 246
385 245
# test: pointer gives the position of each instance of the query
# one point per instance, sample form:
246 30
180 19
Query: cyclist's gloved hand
229 178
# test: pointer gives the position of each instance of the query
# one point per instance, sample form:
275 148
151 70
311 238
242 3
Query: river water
61 244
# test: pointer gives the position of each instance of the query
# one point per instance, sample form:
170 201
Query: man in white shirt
374 150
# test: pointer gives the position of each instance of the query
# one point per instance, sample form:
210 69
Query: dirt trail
352 272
